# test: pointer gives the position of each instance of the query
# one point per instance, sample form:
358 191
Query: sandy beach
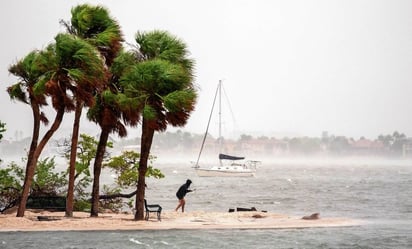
170 220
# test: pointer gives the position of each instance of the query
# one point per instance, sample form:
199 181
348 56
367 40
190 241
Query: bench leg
158 214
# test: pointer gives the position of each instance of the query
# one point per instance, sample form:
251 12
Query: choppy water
378 194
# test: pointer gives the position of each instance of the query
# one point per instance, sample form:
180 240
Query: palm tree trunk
101 149
31 165
145 145
34 140
73 154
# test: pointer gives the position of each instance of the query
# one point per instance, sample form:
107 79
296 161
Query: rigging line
230 107
207 128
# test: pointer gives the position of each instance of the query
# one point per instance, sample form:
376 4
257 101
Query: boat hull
225 172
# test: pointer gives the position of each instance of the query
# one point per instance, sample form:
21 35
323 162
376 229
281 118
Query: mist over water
375 192
296 187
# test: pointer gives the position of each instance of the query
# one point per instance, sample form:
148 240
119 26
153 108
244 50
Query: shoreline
171 220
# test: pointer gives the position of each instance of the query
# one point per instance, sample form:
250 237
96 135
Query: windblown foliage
46 182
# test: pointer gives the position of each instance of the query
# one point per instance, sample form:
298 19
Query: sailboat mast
220 116
207 127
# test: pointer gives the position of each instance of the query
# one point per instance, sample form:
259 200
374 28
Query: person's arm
188 190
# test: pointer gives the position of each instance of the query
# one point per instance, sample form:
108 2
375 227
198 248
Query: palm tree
65 66
162 93
2 129
28 75
94 25
112 115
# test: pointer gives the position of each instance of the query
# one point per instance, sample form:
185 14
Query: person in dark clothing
181 193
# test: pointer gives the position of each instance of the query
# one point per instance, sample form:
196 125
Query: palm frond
16 92
149 112
81 62
94 24
162 45
122 63
178 101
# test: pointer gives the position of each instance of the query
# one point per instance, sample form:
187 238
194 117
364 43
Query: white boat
234 168
228 165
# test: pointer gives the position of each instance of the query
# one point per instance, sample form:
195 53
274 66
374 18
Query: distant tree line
385 145
183 141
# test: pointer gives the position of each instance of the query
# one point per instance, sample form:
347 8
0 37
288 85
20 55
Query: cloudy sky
295 67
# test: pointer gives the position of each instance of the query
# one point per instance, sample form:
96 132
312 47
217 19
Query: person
181 193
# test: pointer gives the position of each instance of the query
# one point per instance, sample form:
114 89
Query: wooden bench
153 208
55 203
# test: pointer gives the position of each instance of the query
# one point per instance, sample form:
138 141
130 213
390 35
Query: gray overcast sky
290 67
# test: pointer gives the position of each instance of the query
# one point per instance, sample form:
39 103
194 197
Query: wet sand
170 220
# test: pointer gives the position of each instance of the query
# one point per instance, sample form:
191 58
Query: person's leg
183 205
180 204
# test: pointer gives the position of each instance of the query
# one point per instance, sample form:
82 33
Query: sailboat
228 165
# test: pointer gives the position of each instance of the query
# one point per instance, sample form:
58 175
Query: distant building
407 148
366 146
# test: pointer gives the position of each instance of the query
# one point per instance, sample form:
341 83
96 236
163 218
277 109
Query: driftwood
239 209
118 195
314 216
49 218
113 196
258 216
9 205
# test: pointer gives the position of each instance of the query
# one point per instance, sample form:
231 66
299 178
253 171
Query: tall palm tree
23 91
112 114
66 66
94 25
162 93
107 113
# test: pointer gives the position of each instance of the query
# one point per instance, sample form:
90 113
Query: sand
170 220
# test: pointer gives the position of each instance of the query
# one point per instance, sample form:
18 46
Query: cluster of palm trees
88 66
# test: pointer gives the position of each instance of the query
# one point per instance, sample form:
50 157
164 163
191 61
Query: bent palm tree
160 89
22 91
94 25
67 65
111 115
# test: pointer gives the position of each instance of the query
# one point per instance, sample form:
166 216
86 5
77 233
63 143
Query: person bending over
181 193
